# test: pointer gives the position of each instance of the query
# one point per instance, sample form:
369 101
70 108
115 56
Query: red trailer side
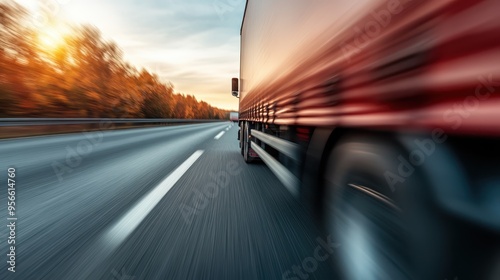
383 117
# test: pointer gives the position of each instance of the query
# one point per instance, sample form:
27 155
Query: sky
194 44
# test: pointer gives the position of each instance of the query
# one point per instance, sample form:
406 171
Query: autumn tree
82 76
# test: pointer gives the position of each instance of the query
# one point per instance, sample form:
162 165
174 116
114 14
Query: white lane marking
227 129
131 220
218 136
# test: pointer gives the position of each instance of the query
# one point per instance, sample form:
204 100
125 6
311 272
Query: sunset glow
52 38
192 44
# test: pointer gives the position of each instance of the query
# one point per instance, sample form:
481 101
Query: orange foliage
84 76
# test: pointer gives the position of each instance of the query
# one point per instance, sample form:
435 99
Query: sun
51 38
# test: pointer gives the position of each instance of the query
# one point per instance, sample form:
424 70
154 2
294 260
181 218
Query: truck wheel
246 144
242 136
374 223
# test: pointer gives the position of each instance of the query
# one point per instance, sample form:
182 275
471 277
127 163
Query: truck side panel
379 64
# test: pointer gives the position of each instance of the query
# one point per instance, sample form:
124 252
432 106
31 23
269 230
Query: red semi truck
383 117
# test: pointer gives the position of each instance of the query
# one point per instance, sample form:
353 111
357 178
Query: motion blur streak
400 97
253 228
371 63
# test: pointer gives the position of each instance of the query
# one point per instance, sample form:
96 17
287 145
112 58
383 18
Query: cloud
192 43
195 50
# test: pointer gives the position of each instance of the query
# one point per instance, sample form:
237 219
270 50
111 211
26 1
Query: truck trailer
233 116
383 118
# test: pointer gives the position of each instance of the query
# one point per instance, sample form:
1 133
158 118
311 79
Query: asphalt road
151 203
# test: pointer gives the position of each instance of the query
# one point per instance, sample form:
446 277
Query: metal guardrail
6 122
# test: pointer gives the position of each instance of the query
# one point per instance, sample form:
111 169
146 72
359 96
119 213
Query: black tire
376 224
246 144
242 129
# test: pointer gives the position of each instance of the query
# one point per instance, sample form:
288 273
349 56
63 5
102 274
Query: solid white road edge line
131 220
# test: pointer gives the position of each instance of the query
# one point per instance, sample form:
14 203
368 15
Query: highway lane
152 203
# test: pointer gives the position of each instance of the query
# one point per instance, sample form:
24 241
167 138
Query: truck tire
246 144
383 231
241 132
